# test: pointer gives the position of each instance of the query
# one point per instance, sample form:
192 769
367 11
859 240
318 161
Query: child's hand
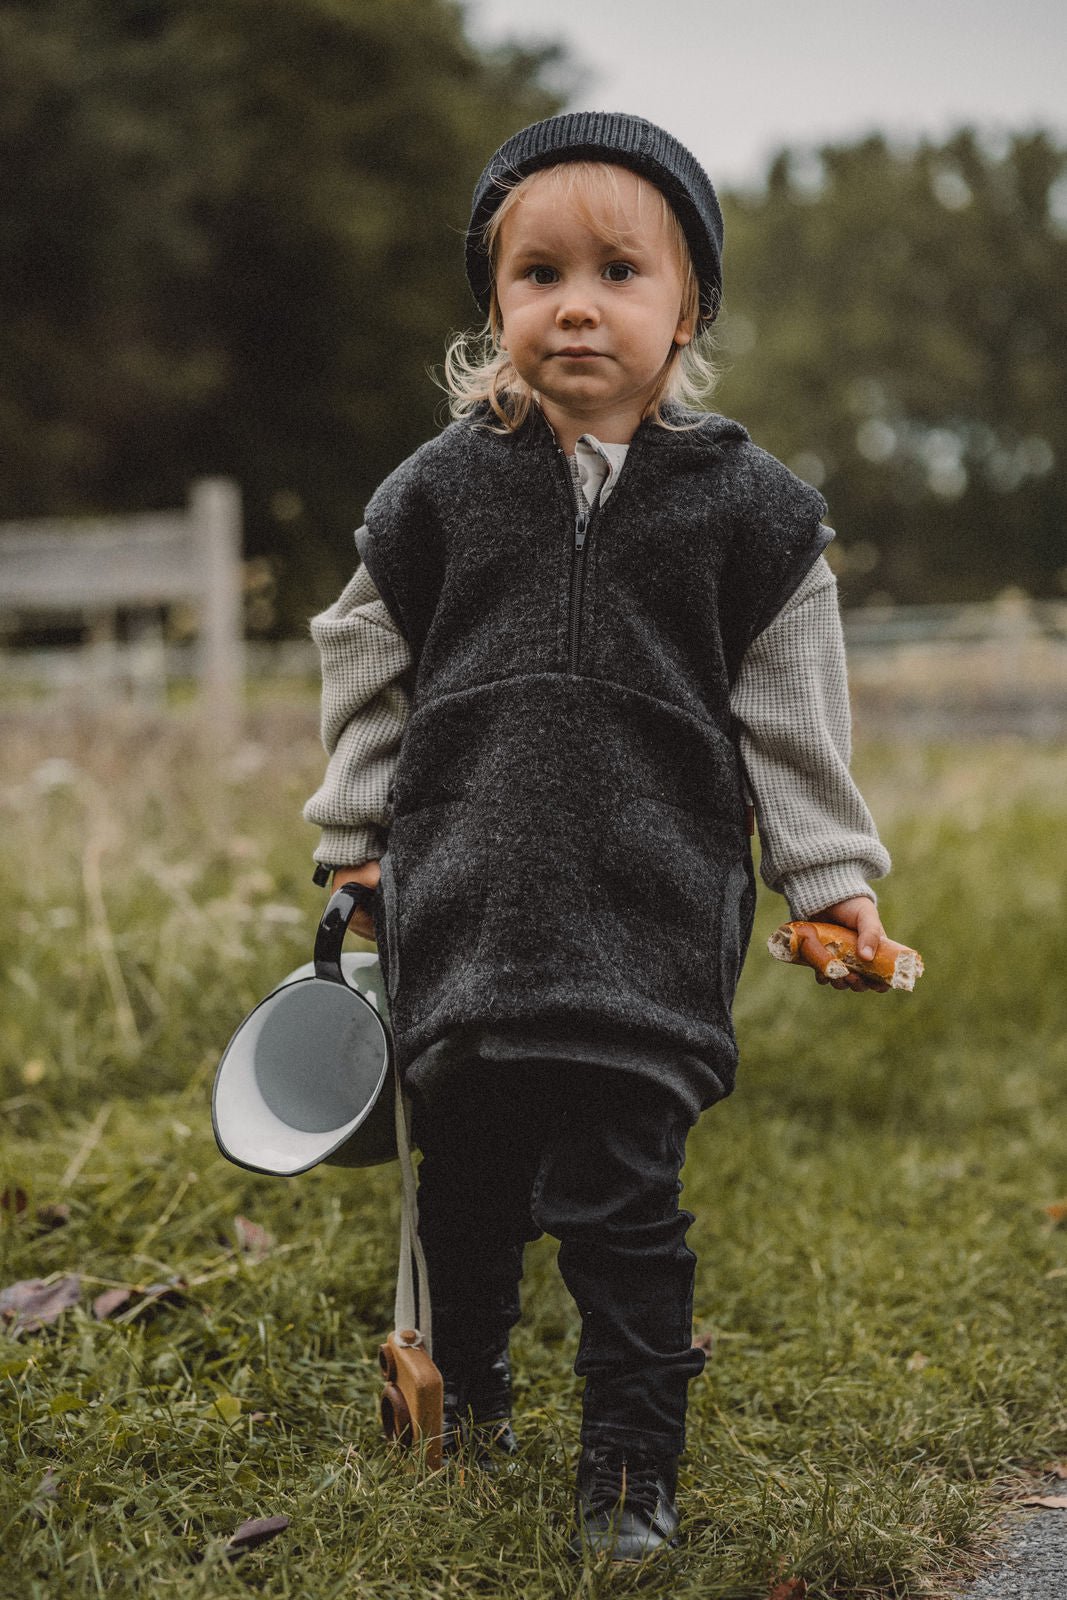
862 915
369 872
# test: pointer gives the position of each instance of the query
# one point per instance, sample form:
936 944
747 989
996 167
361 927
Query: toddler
591 631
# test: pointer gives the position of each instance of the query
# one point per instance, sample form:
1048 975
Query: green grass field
882 1281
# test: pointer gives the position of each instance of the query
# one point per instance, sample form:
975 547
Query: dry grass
882 1282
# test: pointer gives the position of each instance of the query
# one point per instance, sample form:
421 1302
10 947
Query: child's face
589 324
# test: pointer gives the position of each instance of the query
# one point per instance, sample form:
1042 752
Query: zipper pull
580 526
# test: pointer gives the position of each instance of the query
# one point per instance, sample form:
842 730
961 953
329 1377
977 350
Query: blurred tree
231 241
894 326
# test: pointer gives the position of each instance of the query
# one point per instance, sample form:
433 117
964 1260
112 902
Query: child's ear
683 333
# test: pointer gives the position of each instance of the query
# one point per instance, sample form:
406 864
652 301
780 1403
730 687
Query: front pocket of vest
438 889
664 881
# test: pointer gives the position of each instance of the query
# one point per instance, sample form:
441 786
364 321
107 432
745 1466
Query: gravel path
1030 1562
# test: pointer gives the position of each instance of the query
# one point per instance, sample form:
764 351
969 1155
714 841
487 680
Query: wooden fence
961 671
999 667
90 570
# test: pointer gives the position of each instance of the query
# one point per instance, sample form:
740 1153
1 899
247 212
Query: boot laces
630 1481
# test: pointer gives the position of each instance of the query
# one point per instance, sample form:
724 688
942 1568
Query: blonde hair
477 371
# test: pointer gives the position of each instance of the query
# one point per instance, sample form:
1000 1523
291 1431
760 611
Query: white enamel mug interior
307 1077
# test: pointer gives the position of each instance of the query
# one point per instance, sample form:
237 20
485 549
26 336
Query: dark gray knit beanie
626 141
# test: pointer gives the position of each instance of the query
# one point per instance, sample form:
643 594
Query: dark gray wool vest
568 857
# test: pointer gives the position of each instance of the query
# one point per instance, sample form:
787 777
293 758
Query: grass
883 1284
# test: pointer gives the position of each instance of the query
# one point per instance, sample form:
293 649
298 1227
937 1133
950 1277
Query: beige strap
410 1243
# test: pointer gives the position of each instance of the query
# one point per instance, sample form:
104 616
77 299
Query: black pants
592 1157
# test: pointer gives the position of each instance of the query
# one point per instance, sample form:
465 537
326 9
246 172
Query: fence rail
46 566
928 671
90 569
1013 616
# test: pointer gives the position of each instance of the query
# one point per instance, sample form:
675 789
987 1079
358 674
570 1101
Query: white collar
599 466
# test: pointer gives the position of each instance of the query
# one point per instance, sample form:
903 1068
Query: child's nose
577 310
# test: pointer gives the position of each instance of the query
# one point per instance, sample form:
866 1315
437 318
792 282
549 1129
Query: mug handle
333 926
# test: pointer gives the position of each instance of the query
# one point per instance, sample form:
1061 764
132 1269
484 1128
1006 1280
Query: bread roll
798 942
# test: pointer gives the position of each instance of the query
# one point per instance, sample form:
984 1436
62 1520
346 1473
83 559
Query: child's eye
542 275
619 272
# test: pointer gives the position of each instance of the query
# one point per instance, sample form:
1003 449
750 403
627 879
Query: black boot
624 1504
477 1401
489 1398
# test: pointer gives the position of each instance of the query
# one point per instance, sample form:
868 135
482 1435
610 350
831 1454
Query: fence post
215 510
102 654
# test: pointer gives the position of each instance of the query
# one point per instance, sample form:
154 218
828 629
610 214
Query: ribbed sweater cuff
811 889
350 847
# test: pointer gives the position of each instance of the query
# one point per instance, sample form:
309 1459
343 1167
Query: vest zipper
581 527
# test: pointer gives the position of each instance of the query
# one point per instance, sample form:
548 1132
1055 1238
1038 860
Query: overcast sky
732 81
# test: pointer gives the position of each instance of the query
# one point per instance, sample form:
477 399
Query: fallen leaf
32 1302
1057 1211
105 1305
252 1239
14 1201
789 1589
258 1416
255 1532
704 1341
117 1299
1054 1502
917 1361
32 1072
226 1406
61 1403
1058 1469
54 1216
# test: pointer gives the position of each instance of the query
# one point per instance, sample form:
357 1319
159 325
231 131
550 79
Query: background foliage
899 334
230 241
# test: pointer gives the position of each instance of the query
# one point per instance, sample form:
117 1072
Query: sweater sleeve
819 843
365 704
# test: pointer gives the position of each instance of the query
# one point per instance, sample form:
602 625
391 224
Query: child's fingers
869 930
369 874
362 923
861 984
855 981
